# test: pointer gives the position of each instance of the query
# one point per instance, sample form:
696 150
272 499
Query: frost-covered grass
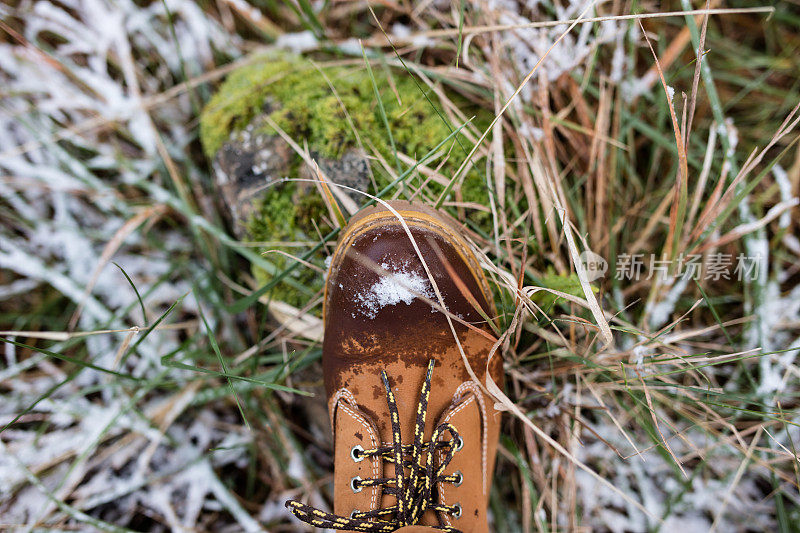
147 382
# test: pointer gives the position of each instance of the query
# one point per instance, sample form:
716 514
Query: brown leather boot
415 438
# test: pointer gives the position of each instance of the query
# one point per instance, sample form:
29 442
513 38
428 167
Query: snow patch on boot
400 286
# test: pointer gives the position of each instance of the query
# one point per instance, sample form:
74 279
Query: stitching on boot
475 389
341 393
441 454
374 440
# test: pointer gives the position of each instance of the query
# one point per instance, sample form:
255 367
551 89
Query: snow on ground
529 45
61 186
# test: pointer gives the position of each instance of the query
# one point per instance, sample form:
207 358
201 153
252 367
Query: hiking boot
415 437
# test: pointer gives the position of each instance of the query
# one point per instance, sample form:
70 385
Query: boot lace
415 491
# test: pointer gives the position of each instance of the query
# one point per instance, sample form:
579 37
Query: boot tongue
417 411
406 383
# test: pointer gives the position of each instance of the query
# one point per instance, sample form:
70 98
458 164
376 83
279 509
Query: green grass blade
138 296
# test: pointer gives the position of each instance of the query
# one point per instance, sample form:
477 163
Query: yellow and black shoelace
415 492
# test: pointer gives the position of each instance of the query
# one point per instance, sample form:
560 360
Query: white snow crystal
350 46
401 286
531 132
297 42
671 93
401 31
785 186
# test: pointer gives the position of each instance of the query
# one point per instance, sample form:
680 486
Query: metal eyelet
357 453
354 513
459 478
456 511
354 484
459 444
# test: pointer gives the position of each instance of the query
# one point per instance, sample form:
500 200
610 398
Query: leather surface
372 324
354 428
475 460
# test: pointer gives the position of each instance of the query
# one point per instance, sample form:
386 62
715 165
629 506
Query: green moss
285 215
569 284
300 100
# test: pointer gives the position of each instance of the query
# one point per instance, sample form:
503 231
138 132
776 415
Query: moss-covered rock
335 112
566 283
